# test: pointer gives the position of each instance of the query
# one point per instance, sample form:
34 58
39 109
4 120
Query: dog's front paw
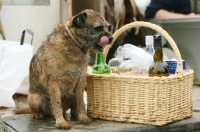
84 119
38 116
63 125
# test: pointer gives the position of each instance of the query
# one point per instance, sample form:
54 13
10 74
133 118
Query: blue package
172 65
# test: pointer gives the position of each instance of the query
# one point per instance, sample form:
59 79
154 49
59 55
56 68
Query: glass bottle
159 67
118 58
114 65
100 66
149 44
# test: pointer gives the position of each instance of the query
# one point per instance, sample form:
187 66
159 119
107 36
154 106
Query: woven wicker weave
141 99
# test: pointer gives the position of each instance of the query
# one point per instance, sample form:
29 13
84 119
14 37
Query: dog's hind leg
36 103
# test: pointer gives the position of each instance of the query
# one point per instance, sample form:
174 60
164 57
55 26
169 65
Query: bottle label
114 69
126 57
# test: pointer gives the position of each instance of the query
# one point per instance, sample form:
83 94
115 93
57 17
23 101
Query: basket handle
179 69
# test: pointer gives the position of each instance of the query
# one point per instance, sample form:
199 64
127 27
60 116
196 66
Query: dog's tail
23 111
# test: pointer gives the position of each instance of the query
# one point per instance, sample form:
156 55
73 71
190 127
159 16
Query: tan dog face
91 29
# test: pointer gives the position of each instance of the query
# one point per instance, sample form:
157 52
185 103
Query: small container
114 65
173 64
121 55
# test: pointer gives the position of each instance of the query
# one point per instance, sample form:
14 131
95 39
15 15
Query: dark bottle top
100 66
159 67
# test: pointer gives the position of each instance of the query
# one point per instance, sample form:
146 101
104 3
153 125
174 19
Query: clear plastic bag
140 60
14 65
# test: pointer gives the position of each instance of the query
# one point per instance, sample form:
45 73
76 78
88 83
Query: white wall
40 19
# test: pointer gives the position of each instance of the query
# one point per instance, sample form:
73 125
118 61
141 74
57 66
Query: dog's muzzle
110 39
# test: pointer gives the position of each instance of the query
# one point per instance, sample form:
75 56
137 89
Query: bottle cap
157 41
157 36
149 40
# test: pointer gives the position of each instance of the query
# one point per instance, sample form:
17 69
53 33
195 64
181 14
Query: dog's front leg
80 106
56 105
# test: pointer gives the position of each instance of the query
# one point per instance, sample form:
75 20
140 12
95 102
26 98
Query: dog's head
90 29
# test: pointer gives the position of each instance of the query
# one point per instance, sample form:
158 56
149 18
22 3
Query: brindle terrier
58 69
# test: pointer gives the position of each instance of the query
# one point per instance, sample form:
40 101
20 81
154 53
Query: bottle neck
99 58
158 55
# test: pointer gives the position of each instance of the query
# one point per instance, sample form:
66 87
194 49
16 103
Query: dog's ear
80 20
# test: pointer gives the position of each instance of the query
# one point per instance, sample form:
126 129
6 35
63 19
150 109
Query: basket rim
184 73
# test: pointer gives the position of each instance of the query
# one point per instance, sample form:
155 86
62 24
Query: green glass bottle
159 67
100 66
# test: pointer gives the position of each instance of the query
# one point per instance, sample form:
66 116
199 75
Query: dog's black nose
110 39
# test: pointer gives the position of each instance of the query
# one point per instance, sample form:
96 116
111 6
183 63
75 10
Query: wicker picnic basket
141 99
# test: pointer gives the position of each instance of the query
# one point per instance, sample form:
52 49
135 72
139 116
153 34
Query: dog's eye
98 28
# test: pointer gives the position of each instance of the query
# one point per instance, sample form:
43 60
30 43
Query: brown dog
58 69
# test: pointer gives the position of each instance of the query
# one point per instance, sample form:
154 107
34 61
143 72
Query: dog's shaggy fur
58 69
